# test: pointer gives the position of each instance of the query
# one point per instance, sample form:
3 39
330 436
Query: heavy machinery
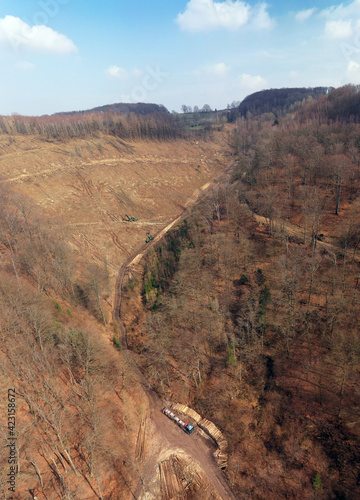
148 238
185 426
130 219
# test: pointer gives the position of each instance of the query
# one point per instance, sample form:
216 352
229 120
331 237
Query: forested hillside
249 311
342 105
279 101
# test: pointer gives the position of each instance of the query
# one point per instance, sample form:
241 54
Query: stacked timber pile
170 485
187 411
181 479
221 459
210 429
140 443
215 433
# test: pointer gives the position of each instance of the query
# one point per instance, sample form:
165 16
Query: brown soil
92 184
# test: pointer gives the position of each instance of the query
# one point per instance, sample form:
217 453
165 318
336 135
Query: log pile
187 411
221 459
170 485
220 455
214 433
179 479
140 443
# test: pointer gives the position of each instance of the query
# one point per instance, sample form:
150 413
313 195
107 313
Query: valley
145 264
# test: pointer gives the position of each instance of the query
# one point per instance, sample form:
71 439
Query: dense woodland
279 101
251 309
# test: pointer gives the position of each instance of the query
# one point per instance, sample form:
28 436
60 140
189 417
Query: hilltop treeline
140 108
157 126
278 101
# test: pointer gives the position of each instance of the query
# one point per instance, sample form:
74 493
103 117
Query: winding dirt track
172 438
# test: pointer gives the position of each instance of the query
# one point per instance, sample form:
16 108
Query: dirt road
168 436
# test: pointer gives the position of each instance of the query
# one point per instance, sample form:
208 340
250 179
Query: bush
316 482
116 343
231 356
244 279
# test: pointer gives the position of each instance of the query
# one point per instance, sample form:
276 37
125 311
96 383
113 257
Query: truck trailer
185 426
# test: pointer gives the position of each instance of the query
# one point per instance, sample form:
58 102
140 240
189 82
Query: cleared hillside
92 184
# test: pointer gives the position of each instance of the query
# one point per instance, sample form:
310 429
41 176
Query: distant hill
139 108
278 101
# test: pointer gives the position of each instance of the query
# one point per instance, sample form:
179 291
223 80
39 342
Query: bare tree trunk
38 473
341 394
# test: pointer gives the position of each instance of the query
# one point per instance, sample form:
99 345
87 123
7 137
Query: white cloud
261 18
205 15
18 35
25 66
353 72
249 82
342 11
117 72
219 69
304 15
338 29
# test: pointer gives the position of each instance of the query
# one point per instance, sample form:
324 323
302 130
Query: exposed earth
92 184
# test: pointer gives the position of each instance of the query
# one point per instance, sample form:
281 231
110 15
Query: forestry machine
130 219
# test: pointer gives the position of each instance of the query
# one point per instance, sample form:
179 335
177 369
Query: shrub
231 356
316 482
116 343
244 279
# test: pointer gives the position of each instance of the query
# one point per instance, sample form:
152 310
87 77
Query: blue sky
62 55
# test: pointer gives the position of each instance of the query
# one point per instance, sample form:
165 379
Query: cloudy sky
62 55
